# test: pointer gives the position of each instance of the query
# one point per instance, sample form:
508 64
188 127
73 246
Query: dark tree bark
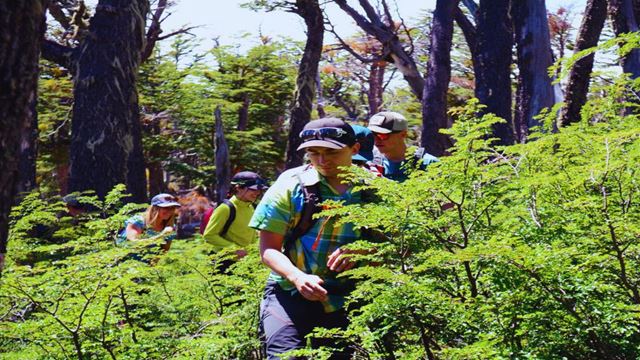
106 147
243 113
535 91
310 11
320 97
493 78
22 28
386 34
223 166
434 99
106 143
376 86
28 152
624 21
156 178
579 76
152 156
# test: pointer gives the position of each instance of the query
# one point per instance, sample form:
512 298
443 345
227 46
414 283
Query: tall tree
493 72
434 97
385 30
28 151
579 76
22 27
624 20
106 144
535 91
310 11
223 167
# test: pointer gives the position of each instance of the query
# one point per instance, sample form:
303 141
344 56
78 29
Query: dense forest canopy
523 241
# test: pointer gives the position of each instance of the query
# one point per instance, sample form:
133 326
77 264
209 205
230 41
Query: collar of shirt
310 176
234 199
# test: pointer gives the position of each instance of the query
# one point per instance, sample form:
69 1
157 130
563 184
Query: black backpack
311 206
207 217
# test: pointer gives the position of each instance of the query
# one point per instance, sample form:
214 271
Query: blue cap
164 200
250 180
364 136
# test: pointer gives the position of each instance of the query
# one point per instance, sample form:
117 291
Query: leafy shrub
73 293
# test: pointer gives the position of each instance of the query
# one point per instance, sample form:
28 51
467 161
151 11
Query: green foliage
260 83
70 292
528 251
521 252
623 45
178 95
55 99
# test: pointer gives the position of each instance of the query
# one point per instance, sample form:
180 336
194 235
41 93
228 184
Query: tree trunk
156 178
310 11
579 76
320 97
22 28
535 91
434 100
223 167
28 152
106 143
493 79
243 113
376 83
624 21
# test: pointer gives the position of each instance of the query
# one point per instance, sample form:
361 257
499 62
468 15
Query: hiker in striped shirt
303 290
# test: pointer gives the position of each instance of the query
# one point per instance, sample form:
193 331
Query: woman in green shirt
247 187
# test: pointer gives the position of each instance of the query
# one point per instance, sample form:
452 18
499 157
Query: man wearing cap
303 290
237 234
364 157
390 131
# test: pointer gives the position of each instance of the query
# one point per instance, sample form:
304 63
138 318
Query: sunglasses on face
325 133
381 136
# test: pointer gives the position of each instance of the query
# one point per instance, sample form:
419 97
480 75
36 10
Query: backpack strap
310 206
231 218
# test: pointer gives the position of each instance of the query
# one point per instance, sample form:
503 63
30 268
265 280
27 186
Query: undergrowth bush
523 252
68 291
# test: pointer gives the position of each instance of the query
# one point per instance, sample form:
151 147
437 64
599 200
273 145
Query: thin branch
59 54
127 316
87 303
154 30
183 30
372 14
345 46
472 7
468 29
58 14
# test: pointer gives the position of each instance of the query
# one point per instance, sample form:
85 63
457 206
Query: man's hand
310 287
339 260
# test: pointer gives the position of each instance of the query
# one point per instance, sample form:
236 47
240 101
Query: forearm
280 263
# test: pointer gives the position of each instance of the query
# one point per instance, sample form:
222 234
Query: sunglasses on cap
326 133
381 136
